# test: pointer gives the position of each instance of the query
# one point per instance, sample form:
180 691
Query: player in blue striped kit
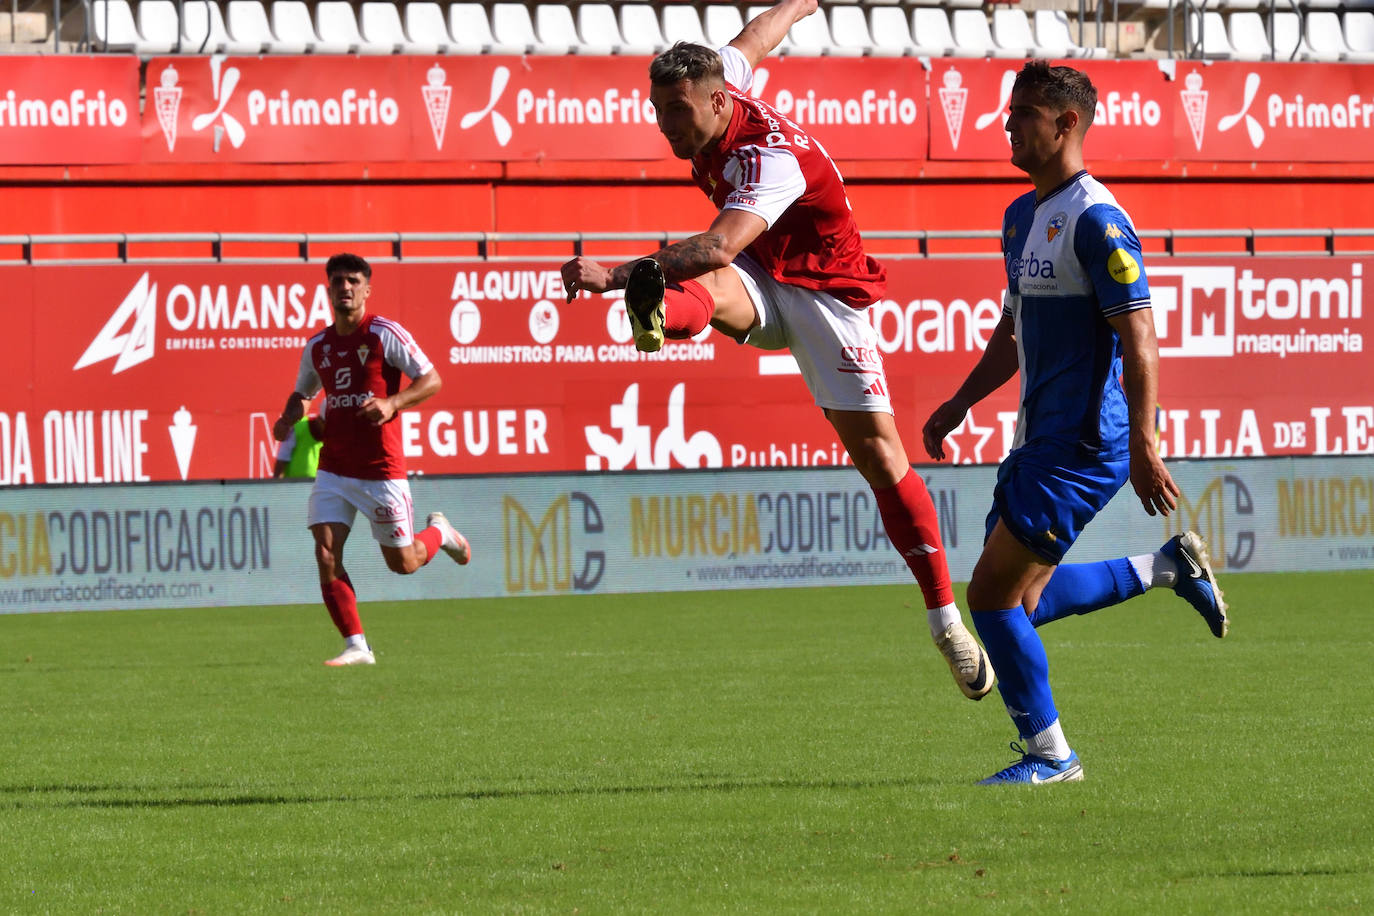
1078 327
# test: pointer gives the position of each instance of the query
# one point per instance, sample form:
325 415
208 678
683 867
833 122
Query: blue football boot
1032 770
1196 584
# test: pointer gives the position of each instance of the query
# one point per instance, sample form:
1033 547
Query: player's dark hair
1061 88
345 263
687 61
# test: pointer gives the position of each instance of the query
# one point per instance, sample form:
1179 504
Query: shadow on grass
134 797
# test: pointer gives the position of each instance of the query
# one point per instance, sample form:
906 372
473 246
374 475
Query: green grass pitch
760 752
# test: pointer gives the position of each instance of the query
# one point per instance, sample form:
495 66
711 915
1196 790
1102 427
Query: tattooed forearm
691 257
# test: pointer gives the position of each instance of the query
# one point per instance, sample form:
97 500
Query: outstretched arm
1140 377
766 31
997 364
729 234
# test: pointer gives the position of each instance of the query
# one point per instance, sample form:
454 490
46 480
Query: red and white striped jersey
367 363
769 166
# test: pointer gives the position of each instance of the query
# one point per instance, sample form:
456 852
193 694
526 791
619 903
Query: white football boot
453 544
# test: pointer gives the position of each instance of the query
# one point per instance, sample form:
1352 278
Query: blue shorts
1047 496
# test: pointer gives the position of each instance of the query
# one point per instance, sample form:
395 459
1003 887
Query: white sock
1049 743
359 642
942 618
1155 570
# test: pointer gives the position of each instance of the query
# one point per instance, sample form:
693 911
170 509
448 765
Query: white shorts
385 504
833 344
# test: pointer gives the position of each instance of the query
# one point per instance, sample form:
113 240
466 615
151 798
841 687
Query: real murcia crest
437 96
183 433
167 102
953 102
1195 106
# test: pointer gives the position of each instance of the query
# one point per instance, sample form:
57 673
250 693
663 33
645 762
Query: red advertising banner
1284 113
71 109
293 109
969 98
175 372
68 109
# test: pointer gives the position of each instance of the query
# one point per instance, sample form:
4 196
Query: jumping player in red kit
359 362
783 266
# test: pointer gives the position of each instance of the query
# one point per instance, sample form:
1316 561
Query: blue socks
1083 587
1023 670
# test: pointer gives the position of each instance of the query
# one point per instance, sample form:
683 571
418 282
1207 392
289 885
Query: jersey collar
1077 175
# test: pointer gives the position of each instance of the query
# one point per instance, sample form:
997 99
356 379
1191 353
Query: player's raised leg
911 523
679 311
1183 564
452 541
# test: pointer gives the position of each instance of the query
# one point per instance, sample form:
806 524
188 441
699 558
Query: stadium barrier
536 384
244 542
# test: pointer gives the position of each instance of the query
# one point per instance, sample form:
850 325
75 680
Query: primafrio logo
222 85
500 77
1252 124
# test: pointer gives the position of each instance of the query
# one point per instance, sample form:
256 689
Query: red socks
342 603
432 538
912 526
687 309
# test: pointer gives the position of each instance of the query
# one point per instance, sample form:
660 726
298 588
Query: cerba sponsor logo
206 316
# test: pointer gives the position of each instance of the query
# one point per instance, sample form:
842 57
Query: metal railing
241 247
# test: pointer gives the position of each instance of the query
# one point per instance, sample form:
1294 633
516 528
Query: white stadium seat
1359 32
425 27
931 35
337 27
112 26
1288 38
1325 36
722 22
553 23
971 32
596 23
1052 30
891 34
810 37
379 24
511 24
639 25
203 31
1011 31
849 29
292 24
246 21
157 23
681 23
471 33
1214 42
1248 37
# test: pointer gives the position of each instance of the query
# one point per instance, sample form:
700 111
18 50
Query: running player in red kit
783 266
359 361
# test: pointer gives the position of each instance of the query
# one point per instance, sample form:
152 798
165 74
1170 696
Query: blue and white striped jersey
1073 261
